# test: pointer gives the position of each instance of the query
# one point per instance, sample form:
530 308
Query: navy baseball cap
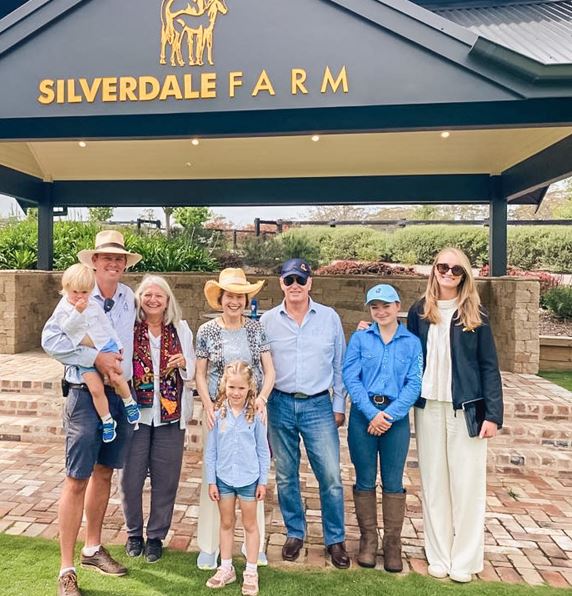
296 267
382 292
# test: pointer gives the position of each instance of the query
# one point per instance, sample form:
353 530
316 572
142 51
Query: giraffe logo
192 21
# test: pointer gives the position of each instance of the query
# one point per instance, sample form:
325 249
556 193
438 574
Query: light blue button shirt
308 357
237 450
393 369
122 316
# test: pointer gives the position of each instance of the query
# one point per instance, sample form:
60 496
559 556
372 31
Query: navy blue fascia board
549 165
478 115
21 186
469 188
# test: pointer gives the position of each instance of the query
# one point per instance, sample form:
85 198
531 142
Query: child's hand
81 304
213 492
260 492
363 325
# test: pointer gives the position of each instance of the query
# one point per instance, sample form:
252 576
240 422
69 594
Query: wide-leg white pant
453 470
209 519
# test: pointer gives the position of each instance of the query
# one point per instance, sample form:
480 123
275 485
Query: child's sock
132 411
108 419
129 401
108 430
66 569
251 567
226 563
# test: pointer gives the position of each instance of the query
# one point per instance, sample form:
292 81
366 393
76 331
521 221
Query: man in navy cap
308 401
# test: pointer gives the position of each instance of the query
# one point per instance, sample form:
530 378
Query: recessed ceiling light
195 142
188 164
315 138
445 134
82 144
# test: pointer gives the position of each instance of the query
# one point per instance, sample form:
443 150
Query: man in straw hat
308 345
89 461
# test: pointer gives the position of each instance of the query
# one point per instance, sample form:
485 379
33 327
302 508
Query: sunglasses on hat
456 270
290 279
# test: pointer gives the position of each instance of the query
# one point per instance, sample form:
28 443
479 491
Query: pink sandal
221 578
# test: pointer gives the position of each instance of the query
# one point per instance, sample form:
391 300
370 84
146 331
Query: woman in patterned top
229 337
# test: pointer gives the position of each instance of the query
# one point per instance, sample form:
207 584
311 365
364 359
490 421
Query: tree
191 217
168 211
337 212
100 214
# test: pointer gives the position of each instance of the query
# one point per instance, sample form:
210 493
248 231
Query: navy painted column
46 230
498 236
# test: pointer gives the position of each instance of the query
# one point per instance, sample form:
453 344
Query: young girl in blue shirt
382 373
237 460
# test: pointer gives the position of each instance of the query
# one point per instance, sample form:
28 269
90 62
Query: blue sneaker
133 413
108 432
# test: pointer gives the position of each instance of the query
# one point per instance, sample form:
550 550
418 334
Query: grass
29 566
564 378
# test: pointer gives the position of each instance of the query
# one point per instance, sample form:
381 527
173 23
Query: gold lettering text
298 80
171 88
127 88
234 81
47 94
263 84
188 82
329 80
109 89
61 91
149 88
90 91
73 97
208 85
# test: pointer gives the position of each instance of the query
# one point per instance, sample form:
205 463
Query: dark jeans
159 450
391 448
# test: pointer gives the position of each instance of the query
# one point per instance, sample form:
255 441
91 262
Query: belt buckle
299 395
378 400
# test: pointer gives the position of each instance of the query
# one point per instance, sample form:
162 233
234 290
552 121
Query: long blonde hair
469 302
238 367
172 312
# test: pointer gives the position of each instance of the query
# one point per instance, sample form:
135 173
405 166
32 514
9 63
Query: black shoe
134 546
153 550
338 555
291 548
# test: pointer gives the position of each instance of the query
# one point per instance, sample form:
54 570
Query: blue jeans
313 420
391 448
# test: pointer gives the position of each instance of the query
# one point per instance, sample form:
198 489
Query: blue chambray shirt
122 316
307 358
237 450
395 370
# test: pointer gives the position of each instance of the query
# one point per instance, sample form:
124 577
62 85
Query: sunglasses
290 279
456 270
108 304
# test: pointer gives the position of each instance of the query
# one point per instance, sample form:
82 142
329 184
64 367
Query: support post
46 230
498 236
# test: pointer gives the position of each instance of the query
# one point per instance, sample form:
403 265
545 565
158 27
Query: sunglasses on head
456 270
290 279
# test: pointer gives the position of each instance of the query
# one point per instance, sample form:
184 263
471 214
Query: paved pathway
529 516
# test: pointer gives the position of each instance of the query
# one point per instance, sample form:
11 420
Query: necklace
233 326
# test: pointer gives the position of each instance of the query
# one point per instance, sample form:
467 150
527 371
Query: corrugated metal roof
540 30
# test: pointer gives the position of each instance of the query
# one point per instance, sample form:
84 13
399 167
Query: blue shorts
110 346
244 493
82 427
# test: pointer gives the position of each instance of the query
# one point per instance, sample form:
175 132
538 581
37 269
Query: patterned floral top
221 346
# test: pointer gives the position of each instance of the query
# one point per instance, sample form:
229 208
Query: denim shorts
110 346
244 493
82 427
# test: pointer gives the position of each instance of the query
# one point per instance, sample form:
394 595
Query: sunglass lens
457 270
290 279
442 268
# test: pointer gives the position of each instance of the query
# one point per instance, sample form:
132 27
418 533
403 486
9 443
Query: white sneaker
262 559
221 578
437 571
207 561
461 578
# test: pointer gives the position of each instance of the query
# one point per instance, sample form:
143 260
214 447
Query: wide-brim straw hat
230 280
108 242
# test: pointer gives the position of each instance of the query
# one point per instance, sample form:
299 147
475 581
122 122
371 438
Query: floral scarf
170 381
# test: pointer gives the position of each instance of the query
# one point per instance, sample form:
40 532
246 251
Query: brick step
547 411
30 404
31 387
555 434
36 429
540 460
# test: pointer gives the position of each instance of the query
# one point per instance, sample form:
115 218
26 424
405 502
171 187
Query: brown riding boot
393 505
366 512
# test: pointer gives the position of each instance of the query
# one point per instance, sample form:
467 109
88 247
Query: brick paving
529 505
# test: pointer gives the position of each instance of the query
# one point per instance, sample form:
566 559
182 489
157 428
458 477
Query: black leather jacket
475 369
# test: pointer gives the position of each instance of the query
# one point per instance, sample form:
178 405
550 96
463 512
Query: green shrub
262 252
18 245
559 301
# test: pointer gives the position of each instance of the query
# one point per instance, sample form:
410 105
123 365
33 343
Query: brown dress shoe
103 562
67 584
339 555
291 548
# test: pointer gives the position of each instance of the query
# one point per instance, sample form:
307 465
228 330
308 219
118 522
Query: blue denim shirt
394 370
237 450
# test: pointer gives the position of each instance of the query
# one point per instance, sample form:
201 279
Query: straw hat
108 242
231 280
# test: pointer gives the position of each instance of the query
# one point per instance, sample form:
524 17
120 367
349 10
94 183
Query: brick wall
28 297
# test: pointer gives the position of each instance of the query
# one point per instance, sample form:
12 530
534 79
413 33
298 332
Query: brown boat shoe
103 562
67 584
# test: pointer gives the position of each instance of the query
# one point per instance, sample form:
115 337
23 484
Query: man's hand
213 492
260 492
488 430
339 418
81 304
108 363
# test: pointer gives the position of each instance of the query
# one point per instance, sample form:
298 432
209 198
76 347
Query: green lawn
564 379
28 567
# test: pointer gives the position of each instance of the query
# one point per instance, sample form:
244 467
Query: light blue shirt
237 450
308 357
58 345
394 370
